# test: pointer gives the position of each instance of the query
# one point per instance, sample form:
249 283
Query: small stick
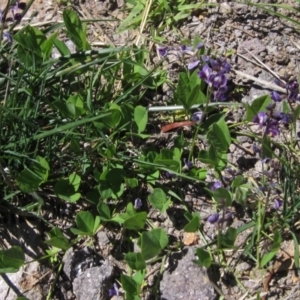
175 125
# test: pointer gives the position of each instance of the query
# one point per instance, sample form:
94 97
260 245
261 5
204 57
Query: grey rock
102 238
257 91
25 282
187 281
255 46
76 262
94 283
243 139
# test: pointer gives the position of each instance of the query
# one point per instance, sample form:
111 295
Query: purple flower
220 94
284 117
277 204
198 116
219 81
185 48
205 58
114 291
163 51
216 185
138 203
188 164
227 217
292 88
276 97
193 65
220 65
213 73
169 175
266 160
272 128
18 17
213 218
261 119
7 36
205 74
14 9
255 149
200 45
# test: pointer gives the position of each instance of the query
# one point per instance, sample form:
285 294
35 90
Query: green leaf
75 106
218 158
131 182
266 148
47 46
296 113
223 197
204 258
194 222
93 196
75 30
296 250
28 181
129 284
227 240
237 181
152 242
31 39
113 120
141 118
111 183
66 188
74 180
159 200
169 163
133 18
86 223
139 277
201 174
59 243
183 90
11 259
241 193
58 240
135 261
136 222
104 211
219 136
273 251
61 47
259 104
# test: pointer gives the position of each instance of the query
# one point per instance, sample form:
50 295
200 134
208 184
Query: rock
103 239
94 283
27 282
256 90
187 281
76 262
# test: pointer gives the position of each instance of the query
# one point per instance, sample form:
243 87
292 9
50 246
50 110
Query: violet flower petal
277 204
193 65
138 203
198 116
276 97
213 218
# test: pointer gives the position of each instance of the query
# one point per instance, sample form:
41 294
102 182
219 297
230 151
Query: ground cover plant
76 129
